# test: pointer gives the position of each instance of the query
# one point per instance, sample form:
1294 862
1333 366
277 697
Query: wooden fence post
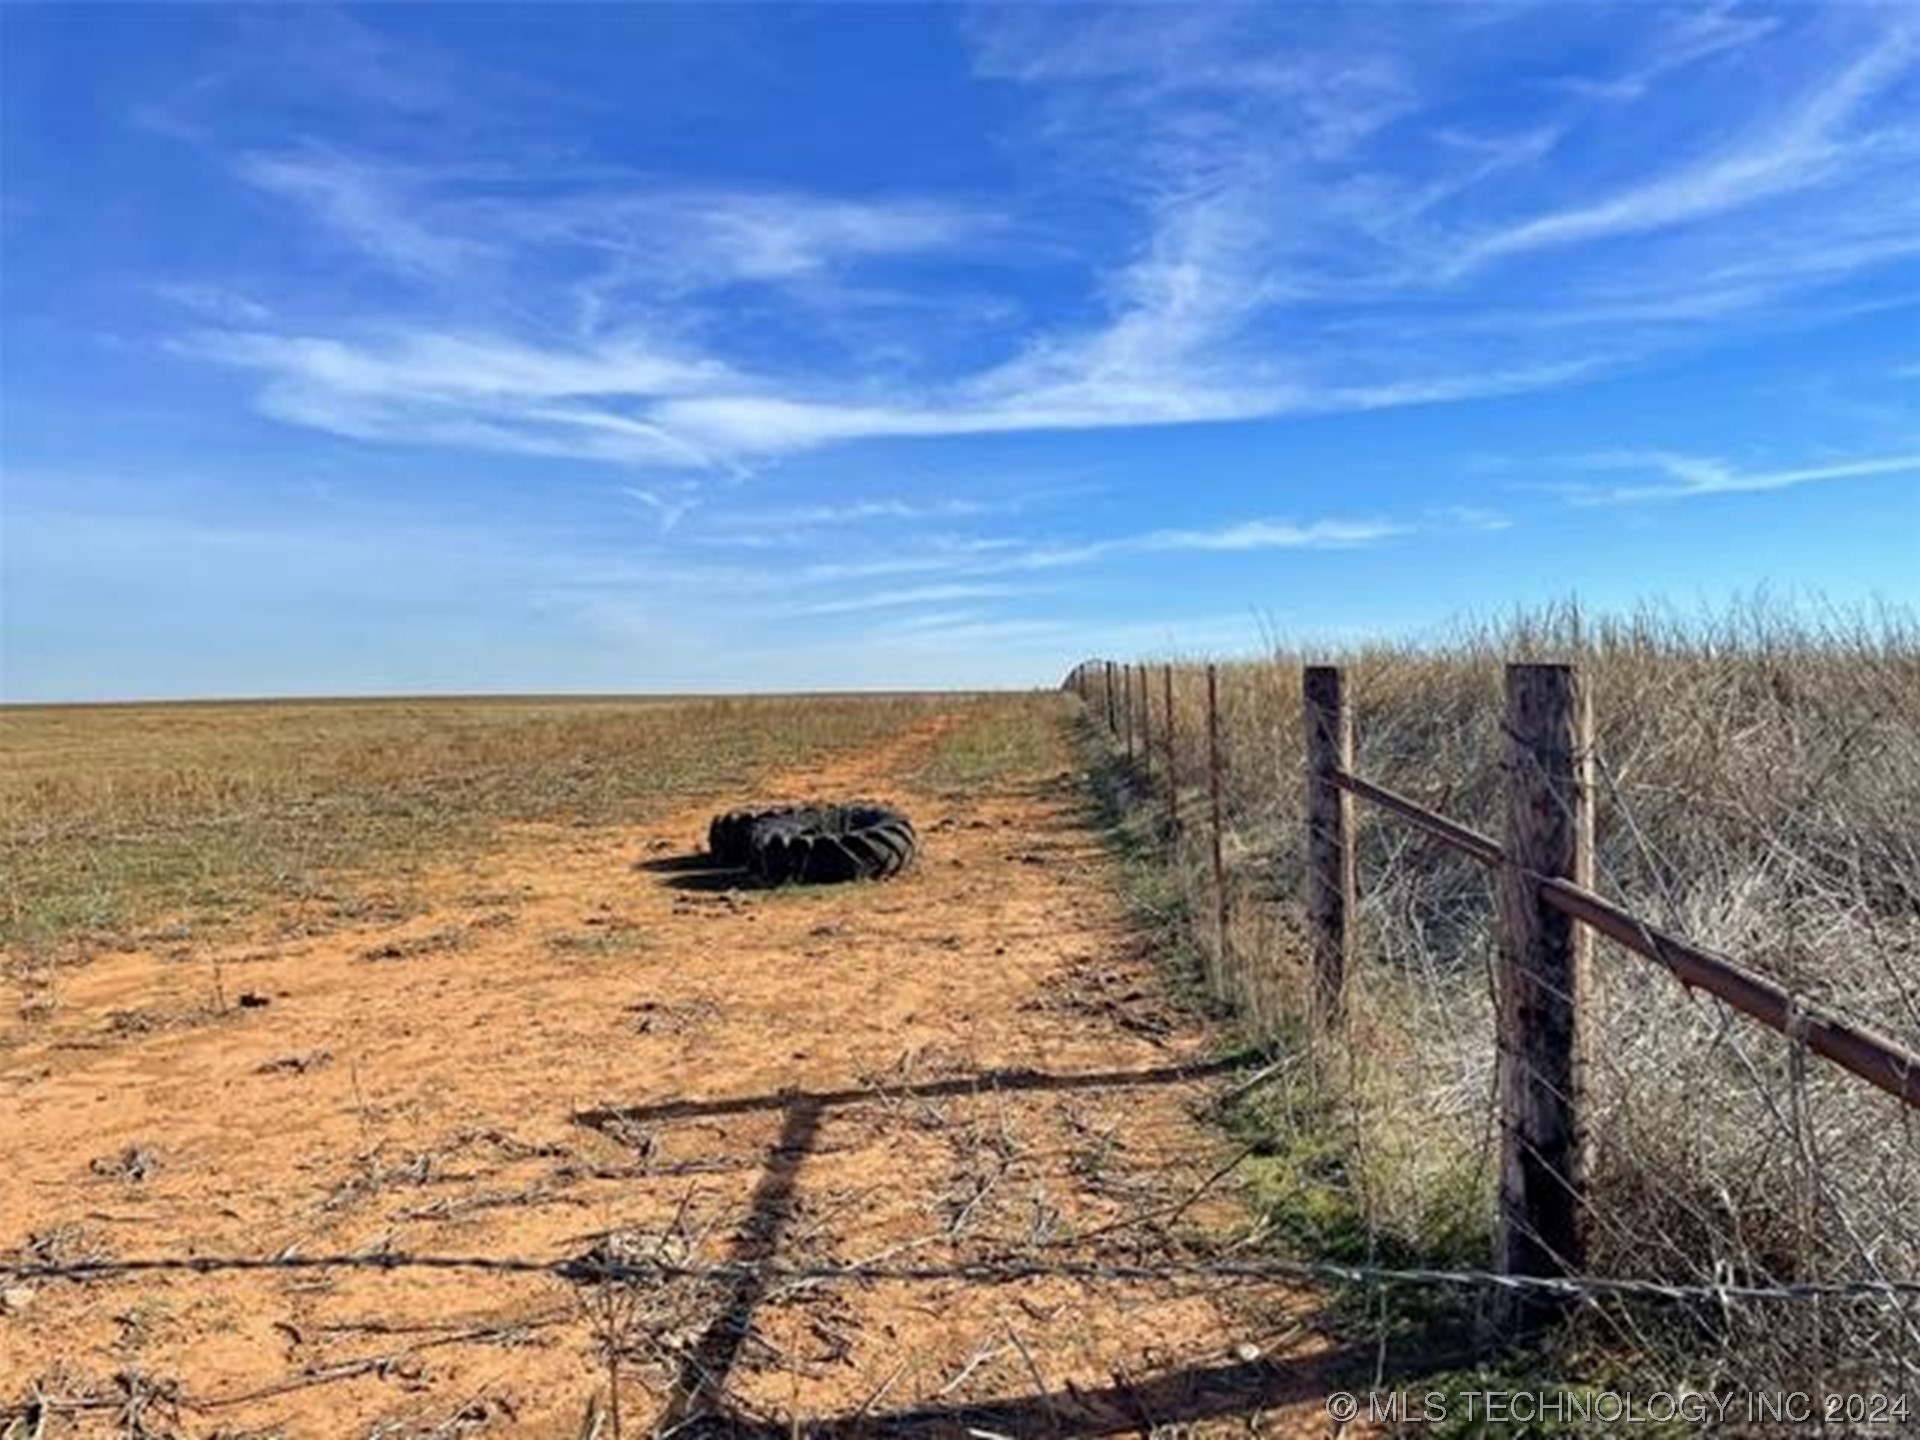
1112 728
1146 722
1543 984
1173 773
1330 883
1126 705
1213 793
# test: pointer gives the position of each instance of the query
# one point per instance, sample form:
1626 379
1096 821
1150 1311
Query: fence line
1875 1058
593 1268
1547 910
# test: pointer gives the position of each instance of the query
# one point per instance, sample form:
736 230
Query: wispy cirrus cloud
454 367
483 391
977 556
777 526
1697 35
216 303
718 237
609 234
1685 477
1469 517
370 207
1272 535
1809 146
1296 216
910 596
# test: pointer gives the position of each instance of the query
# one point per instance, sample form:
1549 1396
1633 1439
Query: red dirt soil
499 1076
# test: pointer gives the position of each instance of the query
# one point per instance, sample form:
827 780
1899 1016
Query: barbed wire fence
591 1269
638 1303
1761 804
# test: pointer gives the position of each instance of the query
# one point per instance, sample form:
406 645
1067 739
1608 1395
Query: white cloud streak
367 208
990 557
1710 32
908 596
1692 476
1803 150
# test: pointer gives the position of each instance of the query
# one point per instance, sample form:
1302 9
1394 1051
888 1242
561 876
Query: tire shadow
701 873
694 860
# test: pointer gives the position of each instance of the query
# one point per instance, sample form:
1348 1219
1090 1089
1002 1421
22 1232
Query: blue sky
440 349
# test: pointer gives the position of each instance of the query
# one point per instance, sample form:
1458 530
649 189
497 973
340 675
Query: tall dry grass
1759 793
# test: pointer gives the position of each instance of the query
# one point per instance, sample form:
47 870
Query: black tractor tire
831 844
727 839
730 836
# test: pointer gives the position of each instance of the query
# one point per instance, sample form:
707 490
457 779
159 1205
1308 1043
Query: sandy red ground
580 1045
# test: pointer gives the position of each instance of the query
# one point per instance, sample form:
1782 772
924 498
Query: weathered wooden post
1330 883
1173 772
1213 793
1146 721
1543 985
1126 705
1112 727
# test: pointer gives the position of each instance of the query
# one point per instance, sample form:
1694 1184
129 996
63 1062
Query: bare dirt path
583 1044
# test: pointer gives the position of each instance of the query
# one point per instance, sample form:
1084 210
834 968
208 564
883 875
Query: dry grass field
113 815
361 979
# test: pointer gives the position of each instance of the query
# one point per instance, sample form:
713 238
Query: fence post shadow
701 1384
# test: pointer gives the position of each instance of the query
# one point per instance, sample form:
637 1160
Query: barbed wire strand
593 1269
